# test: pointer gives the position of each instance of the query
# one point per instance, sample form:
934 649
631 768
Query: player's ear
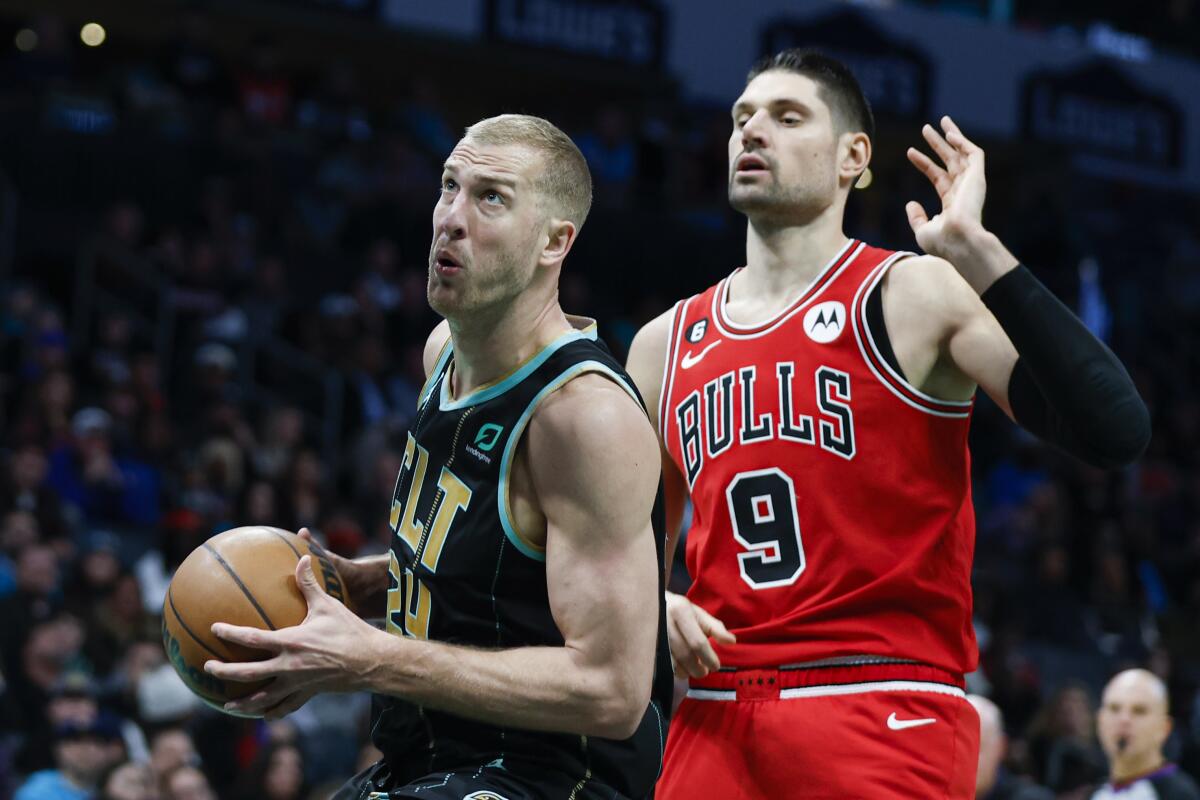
559 237
854 150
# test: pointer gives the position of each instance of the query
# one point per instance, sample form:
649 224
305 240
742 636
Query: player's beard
483 288
779 202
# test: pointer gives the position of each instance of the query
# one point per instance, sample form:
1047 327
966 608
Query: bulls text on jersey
706 419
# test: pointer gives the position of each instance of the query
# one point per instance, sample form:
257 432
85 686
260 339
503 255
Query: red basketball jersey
831 500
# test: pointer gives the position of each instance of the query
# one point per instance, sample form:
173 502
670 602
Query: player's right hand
689 628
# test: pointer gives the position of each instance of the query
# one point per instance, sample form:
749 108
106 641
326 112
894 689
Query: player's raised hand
328 652
961 187
688 630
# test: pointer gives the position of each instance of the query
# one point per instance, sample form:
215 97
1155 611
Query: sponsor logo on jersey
697 331
484 795
825 322
485 440
488 435
904 724
689 360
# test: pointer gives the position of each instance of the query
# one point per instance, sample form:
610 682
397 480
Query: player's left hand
961 187
330 651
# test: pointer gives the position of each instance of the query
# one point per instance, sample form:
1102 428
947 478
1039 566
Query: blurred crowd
215 318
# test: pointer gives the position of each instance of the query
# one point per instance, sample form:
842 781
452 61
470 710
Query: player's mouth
750 164
446 264
1122 743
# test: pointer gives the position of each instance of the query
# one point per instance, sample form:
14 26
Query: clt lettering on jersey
831 499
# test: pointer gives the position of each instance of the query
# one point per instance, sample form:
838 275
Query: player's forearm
538 688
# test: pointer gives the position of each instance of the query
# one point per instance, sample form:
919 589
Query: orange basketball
244 576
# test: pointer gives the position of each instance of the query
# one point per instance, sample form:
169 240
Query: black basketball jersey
462 573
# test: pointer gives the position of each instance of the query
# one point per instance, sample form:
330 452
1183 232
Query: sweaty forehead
776 86
509 162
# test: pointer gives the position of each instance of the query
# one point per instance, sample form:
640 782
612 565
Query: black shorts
494 781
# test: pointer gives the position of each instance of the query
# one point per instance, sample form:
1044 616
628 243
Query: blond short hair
565 180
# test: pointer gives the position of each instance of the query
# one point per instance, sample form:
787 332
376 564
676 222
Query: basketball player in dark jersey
524 653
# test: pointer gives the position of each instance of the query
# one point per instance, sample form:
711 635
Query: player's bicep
594 466
982 351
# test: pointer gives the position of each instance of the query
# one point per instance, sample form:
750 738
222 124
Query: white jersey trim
862 334
674 334
823 279
837 689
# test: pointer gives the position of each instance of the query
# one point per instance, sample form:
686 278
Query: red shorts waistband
799 681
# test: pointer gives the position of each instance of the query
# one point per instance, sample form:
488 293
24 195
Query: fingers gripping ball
245 576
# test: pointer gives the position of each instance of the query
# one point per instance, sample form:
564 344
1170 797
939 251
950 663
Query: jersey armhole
522 542
877 329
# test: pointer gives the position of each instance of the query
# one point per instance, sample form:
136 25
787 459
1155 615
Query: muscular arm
995 325
688 626
601 576
647 358
602 581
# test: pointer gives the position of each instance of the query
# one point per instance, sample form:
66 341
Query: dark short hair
837 85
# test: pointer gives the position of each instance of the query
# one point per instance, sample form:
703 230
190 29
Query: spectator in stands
188 783
107 487
81 756
1133 725
129 781
993 781
1062 741
277 773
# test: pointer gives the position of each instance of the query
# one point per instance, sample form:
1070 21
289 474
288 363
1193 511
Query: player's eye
449 185
493 198
790 119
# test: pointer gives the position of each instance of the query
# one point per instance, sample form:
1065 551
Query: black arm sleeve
1067 386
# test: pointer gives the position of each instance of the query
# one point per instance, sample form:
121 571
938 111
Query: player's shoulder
1177 785
437 342
587 406
928 284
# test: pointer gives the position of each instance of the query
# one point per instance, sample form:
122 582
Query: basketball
244 576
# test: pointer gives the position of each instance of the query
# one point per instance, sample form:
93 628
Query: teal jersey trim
435 373
514 438
523 372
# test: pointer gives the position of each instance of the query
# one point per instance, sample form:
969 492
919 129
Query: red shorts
876 732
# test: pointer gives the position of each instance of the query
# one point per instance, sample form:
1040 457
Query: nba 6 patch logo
824 322
697 331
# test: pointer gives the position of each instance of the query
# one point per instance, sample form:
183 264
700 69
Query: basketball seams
187 629
237 579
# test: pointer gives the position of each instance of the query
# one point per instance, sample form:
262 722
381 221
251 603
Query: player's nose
451 221
754 131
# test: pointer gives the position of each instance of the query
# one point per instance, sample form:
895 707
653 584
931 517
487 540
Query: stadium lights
93 34
26 40
865 179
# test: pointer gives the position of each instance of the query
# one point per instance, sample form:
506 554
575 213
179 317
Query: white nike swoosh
688 361
901 724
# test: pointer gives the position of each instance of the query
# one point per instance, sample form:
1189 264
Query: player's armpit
945 339
594 464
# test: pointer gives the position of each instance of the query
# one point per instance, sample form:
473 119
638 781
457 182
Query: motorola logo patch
824 322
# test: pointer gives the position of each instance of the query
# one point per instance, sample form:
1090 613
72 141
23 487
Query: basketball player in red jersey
814 406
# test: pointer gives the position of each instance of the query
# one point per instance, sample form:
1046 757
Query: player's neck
1129 768
783 260
489 346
